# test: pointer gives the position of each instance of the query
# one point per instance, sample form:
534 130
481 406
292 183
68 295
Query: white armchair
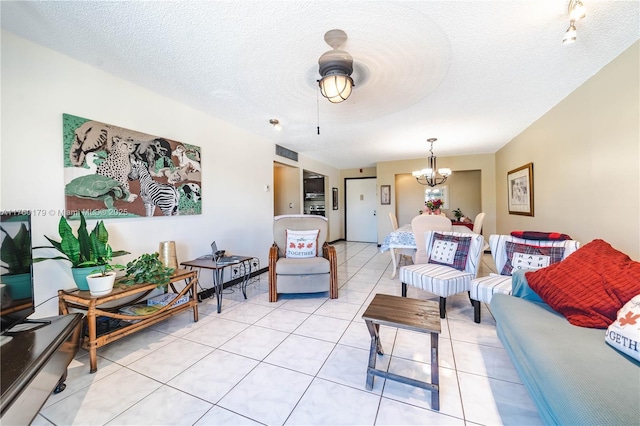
442 279
483 288
306 273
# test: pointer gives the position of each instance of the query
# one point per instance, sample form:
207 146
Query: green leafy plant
87 249
105 269
16 251
458 214
147 269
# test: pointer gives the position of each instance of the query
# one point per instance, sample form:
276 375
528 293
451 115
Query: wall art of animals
112 172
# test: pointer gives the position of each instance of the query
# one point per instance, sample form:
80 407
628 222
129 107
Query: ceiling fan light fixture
335 68
336 87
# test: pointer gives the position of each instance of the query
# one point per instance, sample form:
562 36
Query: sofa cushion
590 285
450 250
521 288
524 256
302 244
624 333
573 377
483 288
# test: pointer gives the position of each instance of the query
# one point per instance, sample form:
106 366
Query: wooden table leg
375 348
194 296
62 305
435 374
93 345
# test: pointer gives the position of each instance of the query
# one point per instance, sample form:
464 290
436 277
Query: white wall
39 85
586 155
485 163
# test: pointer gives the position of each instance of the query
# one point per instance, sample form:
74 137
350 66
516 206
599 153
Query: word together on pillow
524 256
624 333
450 251
302 244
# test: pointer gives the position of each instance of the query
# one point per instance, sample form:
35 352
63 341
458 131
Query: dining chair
394 221
423 223
477 223
451 261
405 254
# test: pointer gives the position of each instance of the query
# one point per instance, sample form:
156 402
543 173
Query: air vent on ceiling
286 153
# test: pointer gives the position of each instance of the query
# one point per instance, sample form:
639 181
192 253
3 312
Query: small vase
99 284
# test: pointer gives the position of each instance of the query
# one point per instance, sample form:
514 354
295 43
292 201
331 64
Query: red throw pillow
590 285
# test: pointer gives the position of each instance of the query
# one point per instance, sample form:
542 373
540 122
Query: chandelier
432 176
335 67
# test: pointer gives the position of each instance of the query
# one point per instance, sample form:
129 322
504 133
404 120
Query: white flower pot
99 284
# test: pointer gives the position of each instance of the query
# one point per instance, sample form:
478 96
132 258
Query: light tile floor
299 361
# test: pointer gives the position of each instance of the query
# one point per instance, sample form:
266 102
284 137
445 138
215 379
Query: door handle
374 212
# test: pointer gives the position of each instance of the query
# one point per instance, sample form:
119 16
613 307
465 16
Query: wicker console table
84 301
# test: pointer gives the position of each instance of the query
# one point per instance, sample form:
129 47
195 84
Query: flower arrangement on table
434 204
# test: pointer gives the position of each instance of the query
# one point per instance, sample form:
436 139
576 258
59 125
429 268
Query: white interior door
361 205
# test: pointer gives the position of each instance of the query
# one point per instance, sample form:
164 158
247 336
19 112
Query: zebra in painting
154 193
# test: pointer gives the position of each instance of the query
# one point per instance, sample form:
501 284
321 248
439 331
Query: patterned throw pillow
302 244
624 333
590 285
524 256
450 250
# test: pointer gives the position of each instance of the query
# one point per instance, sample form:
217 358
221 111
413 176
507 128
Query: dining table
403 238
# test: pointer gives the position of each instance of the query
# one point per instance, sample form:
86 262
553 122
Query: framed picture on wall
334 194
385 194
520 190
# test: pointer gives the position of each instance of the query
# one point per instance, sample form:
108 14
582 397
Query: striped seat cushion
438 279
484 288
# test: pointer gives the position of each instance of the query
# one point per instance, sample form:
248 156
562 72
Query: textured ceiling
474 74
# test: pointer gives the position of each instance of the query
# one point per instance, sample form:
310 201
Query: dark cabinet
314 186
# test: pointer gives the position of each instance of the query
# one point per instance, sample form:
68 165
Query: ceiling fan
335 67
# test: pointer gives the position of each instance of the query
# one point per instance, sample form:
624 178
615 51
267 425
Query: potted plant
101 280
16 254
85 252
148 268
458 214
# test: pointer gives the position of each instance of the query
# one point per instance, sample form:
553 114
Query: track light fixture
275 123
576 12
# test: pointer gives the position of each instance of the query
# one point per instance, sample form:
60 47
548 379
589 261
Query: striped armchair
483 288
441 279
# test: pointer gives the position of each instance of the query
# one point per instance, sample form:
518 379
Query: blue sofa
572 375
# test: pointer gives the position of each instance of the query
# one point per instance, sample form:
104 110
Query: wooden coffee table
410 314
